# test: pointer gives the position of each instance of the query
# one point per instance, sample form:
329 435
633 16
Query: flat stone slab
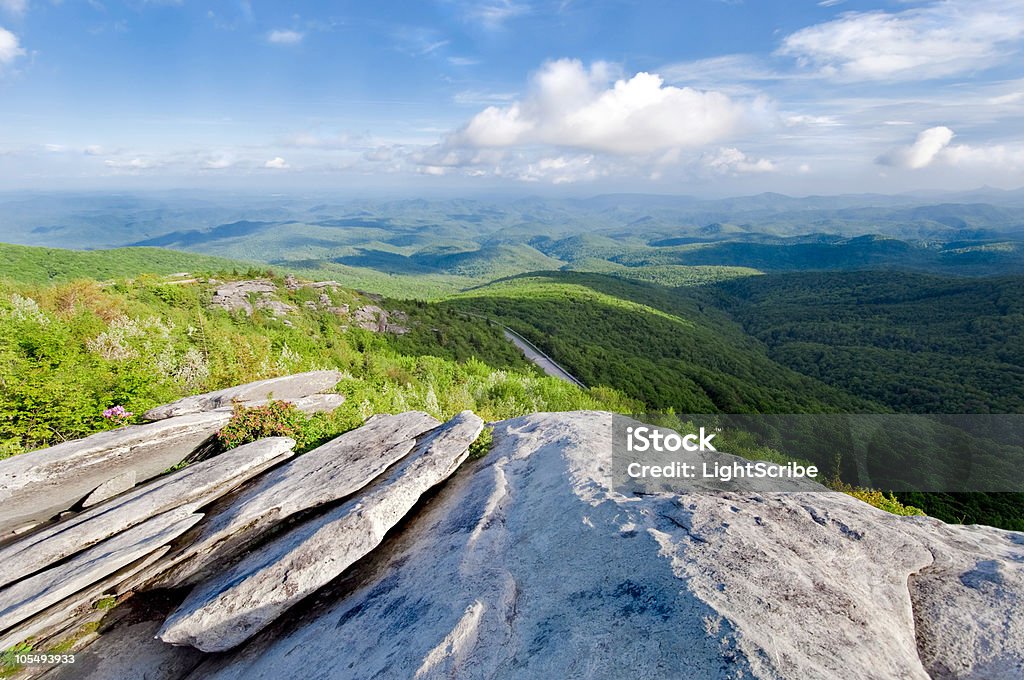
110 488
328 473
71 611
38 485
286 387
34 594
188 488
224 611
528 564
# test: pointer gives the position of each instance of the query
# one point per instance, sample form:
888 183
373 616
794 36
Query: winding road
546 363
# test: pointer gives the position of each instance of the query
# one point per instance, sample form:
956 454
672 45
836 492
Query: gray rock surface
123 652
247 296
110 488
227 609
528 565
288 387
77 608
189 488
37 485
35 593
326 474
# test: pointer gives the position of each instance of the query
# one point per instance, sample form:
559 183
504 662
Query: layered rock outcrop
388 555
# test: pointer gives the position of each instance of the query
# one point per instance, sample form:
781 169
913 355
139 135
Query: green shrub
249 424
879 499
482 445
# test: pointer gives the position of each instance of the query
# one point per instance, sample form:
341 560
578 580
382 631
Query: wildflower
117 413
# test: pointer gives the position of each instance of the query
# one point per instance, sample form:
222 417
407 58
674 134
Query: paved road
546 363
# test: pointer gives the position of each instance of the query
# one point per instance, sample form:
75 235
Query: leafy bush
880 500
249 424
482 445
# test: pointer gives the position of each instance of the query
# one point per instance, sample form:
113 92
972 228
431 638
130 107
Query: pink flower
117 413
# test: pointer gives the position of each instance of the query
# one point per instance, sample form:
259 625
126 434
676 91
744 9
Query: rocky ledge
387 554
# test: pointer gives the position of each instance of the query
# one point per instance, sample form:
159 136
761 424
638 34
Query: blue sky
700 97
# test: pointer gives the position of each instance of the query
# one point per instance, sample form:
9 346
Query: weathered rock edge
227 609
286 387
190 488
528 565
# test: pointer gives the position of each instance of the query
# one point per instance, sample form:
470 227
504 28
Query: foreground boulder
191 488
530 566
372 557
33 594
326 474
286 387
227 609
37 485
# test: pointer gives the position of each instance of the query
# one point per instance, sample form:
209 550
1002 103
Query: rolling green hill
30 264
657 346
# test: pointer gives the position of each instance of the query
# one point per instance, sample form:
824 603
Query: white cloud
277 164
572 106
996 156
10 48
932 147
922 152
93 150
806 120
285 37
14 6
219 163
830 3
732 161
561 170
943 38
463 61
132 164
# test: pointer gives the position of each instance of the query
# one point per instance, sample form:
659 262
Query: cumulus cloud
922 152
277 163
933 147
569 105
10 48
940 39
285 37
732 161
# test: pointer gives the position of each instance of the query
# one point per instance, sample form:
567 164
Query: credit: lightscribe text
646 439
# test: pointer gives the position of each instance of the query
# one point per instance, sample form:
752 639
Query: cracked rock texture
386 554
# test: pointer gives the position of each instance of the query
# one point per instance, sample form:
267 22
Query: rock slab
227 609
528 565
35 593
324 475
37 485
188 488
285 387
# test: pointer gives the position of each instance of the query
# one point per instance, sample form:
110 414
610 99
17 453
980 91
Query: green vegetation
70 351
482 445
8 659
916 343
880 500
29 264
658 347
